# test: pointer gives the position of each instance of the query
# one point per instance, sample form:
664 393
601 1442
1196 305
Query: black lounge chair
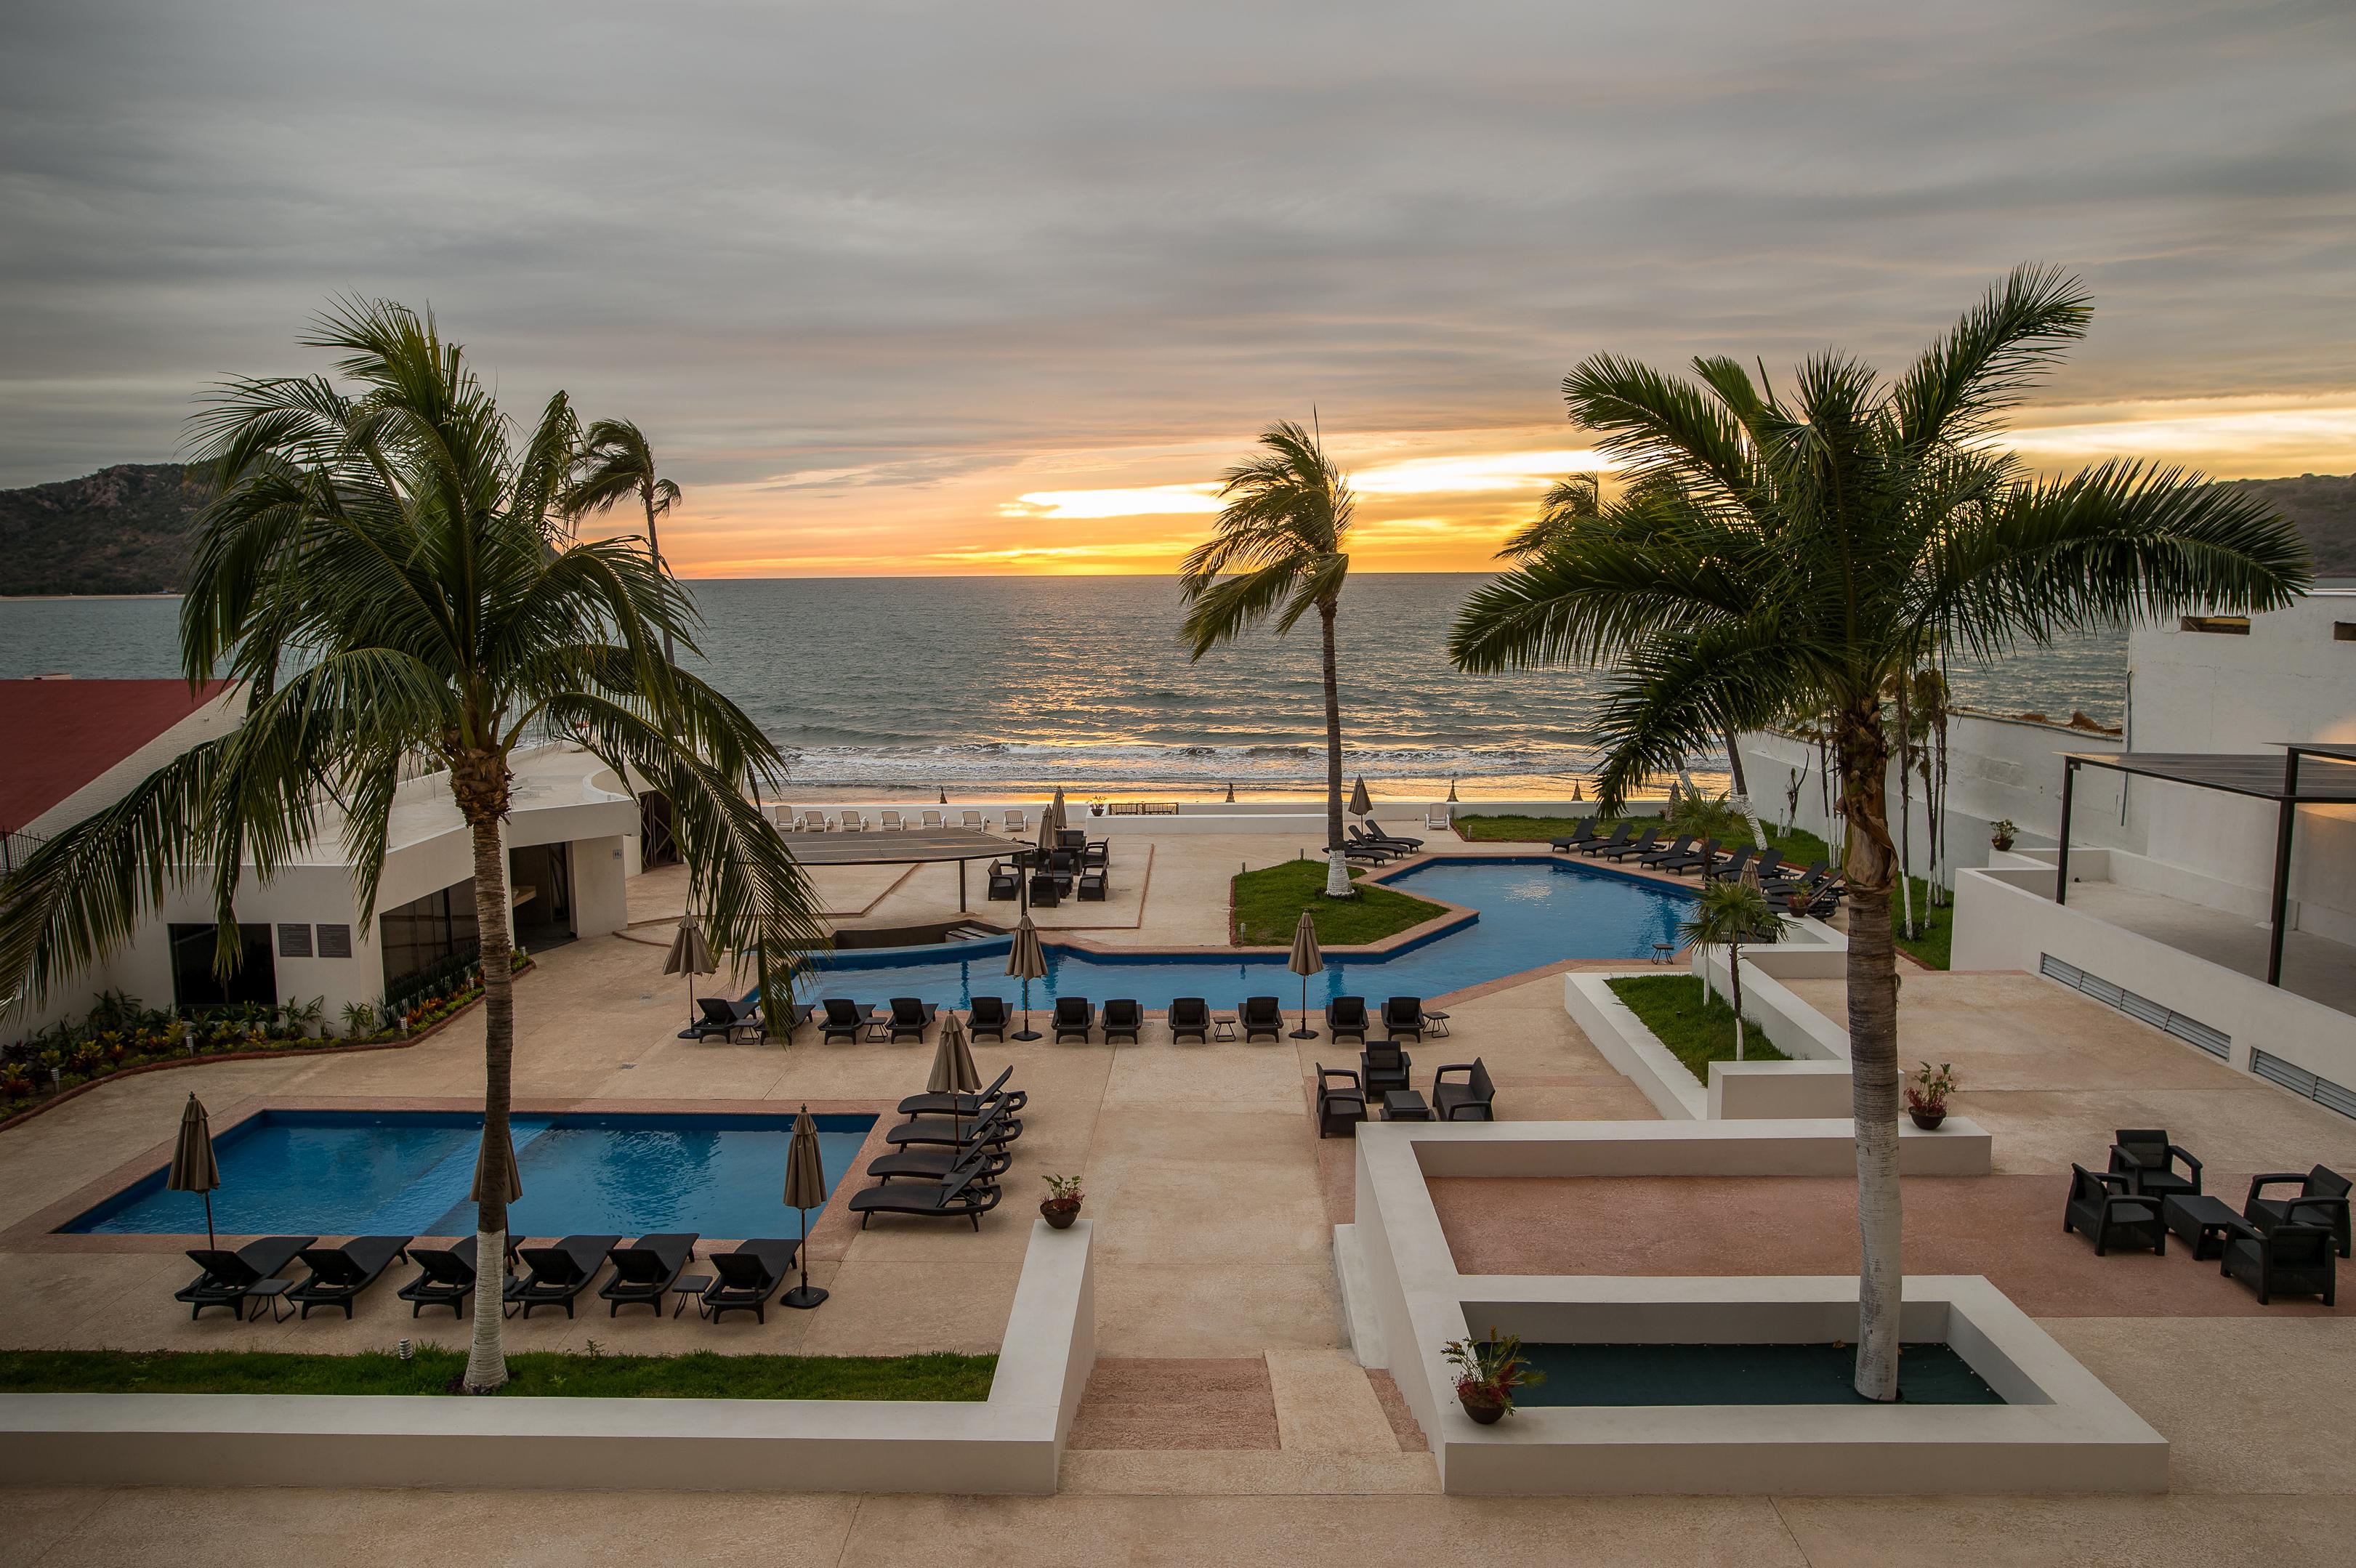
338 1274
2322 1199
559 1273
844 1020
911 1018
931 1164
796 1015
1261 1015
744 1280
1097 856
1346 1018
2298 1260
1767 867
1383 1067
1403 1016
1005 882
1678 865
1341 1101
722 1017
953 1130
2102 1205
229 1277
1582 835
1620 836
1092 887
647 1272
1374 831
1471 1101
988 1016
1189 1014
1368 854
2145 1157
1373 848
445 1278
961 1194
1122 1017
938 1103
1073 1017
1643 846
1726 868
1653 859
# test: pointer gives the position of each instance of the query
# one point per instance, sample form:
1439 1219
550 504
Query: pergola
2331 781
914 846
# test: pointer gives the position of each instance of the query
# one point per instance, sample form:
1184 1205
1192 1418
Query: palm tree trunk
482 789
654 549
1734 991
1742 792
1337 869
1906 809
1869 866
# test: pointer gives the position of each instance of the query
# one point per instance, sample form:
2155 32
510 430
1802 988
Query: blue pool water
1532 911
334 1173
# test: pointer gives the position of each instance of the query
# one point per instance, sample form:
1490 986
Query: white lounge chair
1016 822
788 819
855 822
891 823
1437 816
973 819
933 819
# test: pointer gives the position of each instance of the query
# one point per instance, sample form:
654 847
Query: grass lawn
1515 829
699 1375
1937 927
1670 1006
1269 902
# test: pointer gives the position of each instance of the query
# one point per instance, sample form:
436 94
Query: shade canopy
1361 802
953 1069
805 1173
1025 959
690 954
2324 777
1307 959
193 1166
909 846
496 1180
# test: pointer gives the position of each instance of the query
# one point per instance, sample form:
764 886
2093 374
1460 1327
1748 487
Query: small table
1436 1025
1663 952
2204 1222
1405 1105
274 1291
879 1027
695 1284
1223 1029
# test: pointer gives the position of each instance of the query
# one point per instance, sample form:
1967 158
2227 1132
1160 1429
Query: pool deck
1228 1422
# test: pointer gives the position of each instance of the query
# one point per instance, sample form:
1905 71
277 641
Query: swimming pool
334 1173
1533 910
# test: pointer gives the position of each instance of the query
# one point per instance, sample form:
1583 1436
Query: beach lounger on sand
338 1274
933 819
230 1278
1017 824
744 1280
559 1273
891 823
647 1272
973 819
1190 1016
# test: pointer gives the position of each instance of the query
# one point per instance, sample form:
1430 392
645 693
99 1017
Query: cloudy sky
977 287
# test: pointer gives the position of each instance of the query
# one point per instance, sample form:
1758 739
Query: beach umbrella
1361 802
805 1191
1027 961
496 1180
193 1166
1452 789
945 795
1057 809
1231 792
953 1070
1306 960
690 956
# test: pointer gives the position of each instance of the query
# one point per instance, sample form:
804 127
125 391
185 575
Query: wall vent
335 942
294 941
2343 631
2190 1030
2299 1081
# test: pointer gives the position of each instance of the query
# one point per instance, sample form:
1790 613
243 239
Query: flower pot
1929 1120
1487 1411
1059 1212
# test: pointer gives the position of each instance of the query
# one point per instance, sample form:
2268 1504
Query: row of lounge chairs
849 820
2292 1228
946 1156
1817 890
1372 844
1073 1017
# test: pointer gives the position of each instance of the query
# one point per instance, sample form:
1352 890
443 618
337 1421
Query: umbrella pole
210 1244
1305 1031
802 1296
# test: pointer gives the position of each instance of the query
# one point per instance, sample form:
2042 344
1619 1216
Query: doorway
540 881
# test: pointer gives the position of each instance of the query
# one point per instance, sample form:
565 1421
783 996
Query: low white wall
1012 1442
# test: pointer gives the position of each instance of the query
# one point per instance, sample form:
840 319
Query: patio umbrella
1452 789
496 1180
953 1070
690 956
1057 810
805 1191
1361 802
1306 961
1231 792
193 1166
1027 961
945 795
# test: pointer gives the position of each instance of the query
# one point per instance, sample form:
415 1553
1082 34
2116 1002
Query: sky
957 288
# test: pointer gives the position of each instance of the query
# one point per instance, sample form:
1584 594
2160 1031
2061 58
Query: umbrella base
1028 1034
1304 1034
804 1296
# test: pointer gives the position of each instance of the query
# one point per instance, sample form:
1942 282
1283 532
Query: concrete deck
2314 967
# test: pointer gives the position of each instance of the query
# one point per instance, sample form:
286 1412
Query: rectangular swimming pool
334 1173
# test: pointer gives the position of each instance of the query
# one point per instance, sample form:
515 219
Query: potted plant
1487 1372
1062 1204
2001 833
1926 1095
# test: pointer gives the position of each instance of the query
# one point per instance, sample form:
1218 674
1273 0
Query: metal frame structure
907 846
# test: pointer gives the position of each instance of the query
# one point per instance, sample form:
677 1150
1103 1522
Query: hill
2324 507
120 530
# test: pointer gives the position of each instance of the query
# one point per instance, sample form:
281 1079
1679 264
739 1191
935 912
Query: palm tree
616 463
386 572
1726 915
1708 818
1776 554
1279 551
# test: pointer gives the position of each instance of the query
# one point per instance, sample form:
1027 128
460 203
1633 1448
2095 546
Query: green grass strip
1269 902
1670 1006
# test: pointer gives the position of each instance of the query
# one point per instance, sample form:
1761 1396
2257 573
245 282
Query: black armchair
1384 1067
1074 1017
988 1016
1122 1017
1404 1015
844 1020
1346 1018
2295 1259
1471 1101
1189 1014
2145 1157
1341 1101
2102 1205
1005 882
2322 1199
1261 1015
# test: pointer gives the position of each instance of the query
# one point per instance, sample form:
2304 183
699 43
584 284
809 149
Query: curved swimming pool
1532 911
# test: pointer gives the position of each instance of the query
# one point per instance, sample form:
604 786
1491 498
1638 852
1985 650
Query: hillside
2324 507
120 530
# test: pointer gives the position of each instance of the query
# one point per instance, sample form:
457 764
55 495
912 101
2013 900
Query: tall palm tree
617 464
386 571
1776 554
1279 552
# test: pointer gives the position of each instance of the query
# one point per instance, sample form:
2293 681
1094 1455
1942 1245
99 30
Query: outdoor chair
1123 1017
795 1016
1092 887
2102 1205
445 1278
987 1016
844 1020
1577 837
1045 891
911 1018
647 1272
1261 1015
940 1102
1678 865
2322 1199
1383 1067
744 1280
1189 1014
934 1161
855 822
1729 867
559 1273
891 823
953 1130
1375 831
934 819
1073 1017
230 1279
1641 846
1005 882
338 1274
1371 854
1656 858
2298 1260
2145 1157
962 1193
1471 1101
1374 849
1017 824
723 1017
1346 1018
974 820
1767 867
1099 854
1403 1016
1341 1101
1074 839
1620 836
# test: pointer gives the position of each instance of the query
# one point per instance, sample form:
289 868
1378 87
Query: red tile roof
63 734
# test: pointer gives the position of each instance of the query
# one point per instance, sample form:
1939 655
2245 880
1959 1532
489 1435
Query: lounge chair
1643 846
796 1015
1341 1100
934 1161
1073 1017
1374 849
1768 867
1092 887
1346 1018
647 1272
2297 1259
911 1018
1017 824
891 823
338 1274
855 822
962 1193
934 819
1620 836
1122 1017
1652 859
722 1017
2145 1157
1189 1014
1261 1015
1691 859
2102 1205
744 1280
988 1016
1438 818
2322 1199
445 1278
1577 839
1371 854
1403 1016
1383 1067
1375 831
1471 1101
230 1278
1726 868
844 1020
559 1273
952 1130
974 820
940 1102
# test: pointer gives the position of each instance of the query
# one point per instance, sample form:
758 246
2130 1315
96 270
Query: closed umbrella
496 1180
805 1191
953 1071
1306 960
1056 810
1361 802
193 1166
1452 789
1027 961
690 956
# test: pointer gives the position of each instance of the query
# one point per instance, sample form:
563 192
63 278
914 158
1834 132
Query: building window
294 941
195 983
335 942
2226 625
2343 631
428 931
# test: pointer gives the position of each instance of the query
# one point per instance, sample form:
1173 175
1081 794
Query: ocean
907 686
